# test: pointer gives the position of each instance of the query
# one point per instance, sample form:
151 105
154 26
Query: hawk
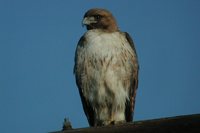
106 70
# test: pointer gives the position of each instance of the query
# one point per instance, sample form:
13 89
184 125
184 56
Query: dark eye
97 17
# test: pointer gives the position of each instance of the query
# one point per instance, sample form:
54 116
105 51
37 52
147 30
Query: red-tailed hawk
106 70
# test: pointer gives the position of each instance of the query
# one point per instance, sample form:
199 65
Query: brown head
100 19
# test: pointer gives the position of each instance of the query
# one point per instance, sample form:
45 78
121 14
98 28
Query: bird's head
99 19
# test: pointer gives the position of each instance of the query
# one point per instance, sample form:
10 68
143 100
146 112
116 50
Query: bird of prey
106 70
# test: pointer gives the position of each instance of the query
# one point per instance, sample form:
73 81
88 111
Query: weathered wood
178 124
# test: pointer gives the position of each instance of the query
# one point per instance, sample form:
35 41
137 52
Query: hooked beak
88 21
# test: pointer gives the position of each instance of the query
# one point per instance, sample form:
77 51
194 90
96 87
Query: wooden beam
178 124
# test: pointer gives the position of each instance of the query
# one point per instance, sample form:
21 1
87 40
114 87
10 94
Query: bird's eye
97 17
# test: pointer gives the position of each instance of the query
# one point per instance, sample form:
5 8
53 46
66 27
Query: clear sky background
37 44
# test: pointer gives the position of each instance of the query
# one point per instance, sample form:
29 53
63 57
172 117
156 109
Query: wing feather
89 112
130 104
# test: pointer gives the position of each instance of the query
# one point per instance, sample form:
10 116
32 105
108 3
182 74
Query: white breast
103 44
105 70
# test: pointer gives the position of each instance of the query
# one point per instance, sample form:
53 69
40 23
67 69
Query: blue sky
37 45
